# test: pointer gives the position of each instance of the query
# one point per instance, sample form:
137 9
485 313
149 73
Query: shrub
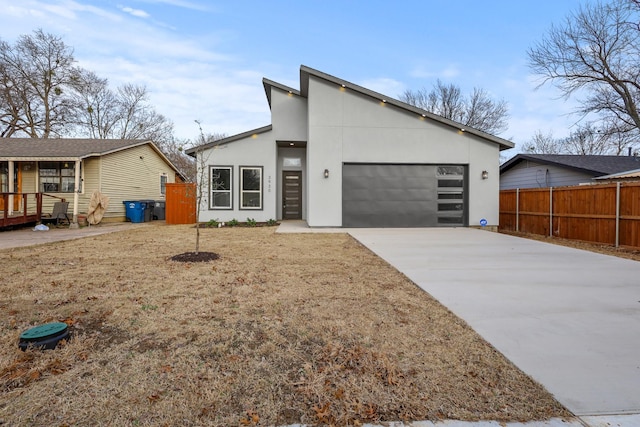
272 222
232 223
212 223
251 222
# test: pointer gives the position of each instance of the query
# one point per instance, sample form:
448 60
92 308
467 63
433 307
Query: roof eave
520 157
268 84
194 150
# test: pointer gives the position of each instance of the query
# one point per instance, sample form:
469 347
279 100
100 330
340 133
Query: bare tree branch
595 53
478 111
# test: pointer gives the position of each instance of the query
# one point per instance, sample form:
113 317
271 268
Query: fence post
550 211
517 209
617 214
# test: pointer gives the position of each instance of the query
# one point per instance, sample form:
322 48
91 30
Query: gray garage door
391 195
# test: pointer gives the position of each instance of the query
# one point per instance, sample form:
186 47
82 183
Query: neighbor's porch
21 180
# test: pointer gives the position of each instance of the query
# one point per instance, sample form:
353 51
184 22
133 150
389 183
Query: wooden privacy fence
180 205
604 213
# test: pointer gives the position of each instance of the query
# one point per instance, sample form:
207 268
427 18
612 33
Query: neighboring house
626 176
340 155
558 170
119 169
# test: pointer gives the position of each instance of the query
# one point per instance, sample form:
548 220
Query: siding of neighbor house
131 174
122 175
528 174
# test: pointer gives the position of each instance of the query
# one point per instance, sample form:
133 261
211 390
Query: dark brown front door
292 195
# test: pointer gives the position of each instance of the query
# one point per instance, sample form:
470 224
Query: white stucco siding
346 127
484 194
258 150
288 116
324 202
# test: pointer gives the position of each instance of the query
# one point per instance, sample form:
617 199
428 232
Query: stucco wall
288 116
255 150
345 126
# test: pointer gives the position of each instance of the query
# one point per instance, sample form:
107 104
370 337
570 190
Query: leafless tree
35 77
542 143
587 140
124 114
477 110
96 113
595 53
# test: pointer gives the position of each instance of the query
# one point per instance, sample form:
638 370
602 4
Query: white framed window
251 187
58 177
220 181
163 183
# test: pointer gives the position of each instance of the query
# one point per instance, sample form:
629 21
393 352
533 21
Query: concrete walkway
27 237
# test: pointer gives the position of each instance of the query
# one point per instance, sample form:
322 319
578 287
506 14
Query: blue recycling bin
134 210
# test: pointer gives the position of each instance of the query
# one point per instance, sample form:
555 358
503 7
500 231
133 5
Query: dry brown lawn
281 329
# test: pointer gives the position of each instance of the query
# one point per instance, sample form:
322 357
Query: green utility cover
43 331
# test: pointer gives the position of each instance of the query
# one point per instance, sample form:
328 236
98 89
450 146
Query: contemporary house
558 170
339 155
72 169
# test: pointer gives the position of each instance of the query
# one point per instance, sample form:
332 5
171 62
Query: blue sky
205 60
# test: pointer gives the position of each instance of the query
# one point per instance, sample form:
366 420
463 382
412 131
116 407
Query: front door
292 195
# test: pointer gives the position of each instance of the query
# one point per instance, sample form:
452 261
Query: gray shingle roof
592 164
62 148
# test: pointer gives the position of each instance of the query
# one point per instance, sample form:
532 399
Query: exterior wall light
326 173
485 174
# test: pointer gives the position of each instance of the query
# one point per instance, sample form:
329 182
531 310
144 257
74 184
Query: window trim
230 190
59 176
260 191
163 185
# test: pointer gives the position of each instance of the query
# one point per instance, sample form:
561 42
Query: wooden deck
20 209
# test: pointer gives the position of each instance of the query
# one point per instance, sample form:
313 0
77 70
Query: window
57 177
4 177
451 203
220 178
250 187
163 183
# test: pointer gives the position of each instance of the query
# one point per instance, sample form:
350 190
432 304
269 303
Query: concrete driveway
568 318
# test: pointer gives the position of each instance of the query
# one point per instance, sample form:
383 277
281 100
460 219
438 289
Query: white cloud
180 3
135 12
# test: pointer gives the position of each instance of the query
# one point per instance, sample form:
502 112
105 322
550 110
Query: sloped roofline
305 72
635 173
554 160
192 151
268 84
81 152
